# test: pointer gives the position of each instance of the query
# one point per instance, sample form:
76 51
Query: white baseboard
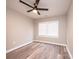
17 47
51 42
69 53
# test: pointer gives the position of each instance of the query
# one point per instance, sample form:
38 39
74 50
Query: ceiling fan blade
30 10
37 2
38 12
45 9
25 3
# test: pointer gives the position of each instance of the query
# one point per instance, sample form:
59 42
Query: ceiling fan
35 8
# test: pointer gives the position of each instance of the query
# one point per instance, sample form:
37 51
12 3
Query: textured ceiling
56 7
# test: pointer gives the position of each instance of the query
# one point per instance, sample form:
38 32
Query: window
48 29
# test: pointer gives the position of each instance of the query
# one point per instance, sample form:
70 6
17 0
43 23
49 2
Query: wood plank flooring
39 50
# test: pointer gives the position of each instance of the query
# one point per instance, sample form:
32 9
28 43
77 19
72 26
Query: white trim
17 47
51 42
69 53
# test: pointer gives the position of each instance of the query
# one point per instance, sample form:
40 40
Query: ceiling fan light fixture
35 11
35 8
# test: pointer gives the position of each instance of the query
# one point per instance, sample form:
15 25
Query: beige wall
62 30
19 29
70 30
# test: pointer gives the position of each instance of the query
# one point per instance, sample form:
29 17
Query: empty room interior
39 29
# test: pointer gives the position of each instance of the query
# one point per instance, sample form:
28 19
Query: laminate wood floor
39 50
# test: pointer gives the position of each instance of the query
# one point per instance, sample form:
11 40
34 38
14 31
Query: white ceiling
56 7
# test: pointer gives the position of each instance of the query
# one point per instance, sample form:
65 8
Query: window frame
50 36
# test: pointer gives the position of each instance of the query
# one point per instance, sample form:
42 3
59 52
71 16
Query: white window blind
48 29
